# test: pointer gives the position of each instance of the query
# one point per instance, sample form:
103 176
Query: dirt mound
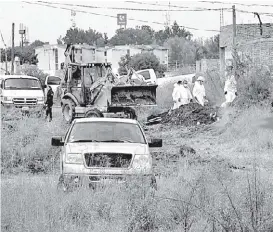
187 115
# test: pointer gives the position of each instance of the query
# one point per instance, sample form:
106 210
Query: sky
47 23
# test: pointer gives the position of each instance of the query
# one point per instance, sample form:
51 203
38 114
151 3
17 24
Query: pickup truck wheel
94 113
68 110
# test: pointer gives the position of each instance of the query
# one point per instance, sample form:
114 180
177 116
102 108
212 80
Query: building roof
51 46
77 46
17 76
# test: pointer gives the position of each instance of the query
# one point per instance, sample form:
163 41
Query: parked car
21 91
95 150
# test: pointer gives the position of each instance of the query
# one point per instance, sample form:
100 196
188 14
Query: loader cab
83 77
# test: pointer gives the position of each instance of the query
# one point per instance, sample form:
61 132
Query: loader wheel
68 110
95 113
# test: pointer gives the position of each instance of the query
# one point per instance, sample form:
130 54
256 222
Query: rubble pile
187 115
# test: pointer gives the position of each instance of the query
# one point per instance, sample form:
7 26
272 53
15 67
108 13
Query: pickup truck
96 150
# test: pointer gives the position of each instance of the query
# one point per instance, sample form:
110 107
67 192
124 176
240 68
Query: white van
21 91
53 81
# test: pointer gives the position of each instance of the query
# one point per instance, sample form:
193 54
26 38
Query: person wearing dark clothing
49 102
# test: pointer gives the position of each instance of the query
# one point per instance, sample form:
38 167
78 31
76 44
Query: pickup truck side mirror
57 141
155 143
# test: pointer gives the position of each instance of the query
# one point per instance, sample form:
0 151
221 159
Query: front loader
92 90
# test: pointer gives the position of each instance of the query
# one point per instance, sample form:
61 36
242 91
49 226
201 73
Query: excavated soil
188 115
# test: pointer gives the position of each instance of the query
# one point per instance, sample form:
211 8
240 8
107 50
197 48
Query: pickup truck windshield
114 132
22 83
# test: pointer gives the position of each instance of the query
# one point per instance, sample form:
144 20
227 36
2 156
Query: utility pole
12 50
234 39
6 53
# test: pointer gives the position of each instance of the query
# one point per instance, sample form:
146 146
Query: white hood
131 148
23 93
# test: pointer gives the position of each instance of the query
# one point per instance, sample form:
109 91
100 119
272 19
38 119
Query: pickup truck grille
108 160
24 101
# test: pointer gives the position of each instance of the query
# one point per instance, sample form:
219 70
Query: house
50 57
114 54
254 42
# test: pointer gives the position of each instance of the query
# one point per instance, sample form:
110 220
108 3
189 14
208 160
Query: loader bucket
133 95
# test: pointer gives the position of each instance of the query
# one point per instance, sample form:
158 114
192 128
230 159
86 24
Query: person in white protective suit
175 95
230 89
181 94
199 92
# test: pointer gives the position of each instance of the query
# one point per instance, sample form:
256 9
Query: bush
26 143
255 87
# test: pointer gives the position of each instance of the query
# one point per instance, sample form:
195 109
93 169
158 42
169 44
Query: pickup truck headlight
7 98
142 162
74 158
40 98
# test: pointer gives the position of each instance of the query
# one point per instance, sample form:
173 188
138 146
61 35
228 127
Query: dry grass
201 192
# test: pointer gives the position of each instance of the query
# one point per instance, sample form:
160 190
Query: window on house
81 58
56 59
80 51
105 53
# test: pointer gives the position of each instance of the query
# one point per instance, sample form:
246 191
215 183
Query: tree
141 61
131 36
208 49
181 50
27 54
106 39
60 40
76 35
124 61
169 32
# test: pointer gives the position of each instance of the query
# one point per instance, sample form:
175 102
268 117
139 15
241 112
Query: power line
235 3
111 16
175 6
205 9
131 9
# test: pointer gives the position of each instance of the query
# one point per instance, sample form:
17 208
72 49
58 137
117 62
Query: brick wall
250 43
244 33
259 51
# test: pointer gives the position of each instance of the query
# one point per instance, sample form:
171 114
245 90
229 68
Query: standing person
230 88
176 95
185 93
49 102
199 91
